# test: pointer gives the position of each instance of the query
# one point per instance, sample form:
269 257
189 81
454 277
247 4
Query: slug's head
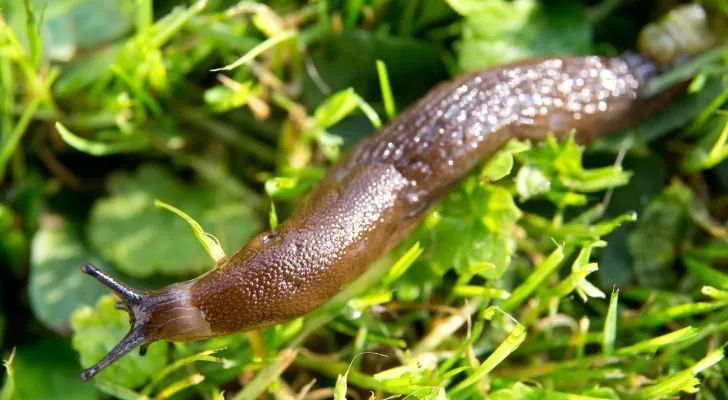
682 33
165 314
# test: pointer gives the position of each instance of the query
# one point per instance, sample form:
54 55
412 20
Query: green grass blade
17 134
203 356
267 375
534 280
118 391
180 385
208 242
259 49
100 149
609 334
389 106
509 345
654 344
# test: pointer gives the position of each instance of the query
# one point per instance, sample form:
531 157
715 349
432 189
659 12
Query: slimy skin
376 196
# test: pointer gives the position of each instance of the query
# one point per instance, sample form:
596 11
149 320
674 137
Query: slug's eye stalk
132 302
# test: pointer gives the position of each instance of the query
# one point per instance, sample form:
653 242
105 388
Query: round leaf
142 239
57 286
97 330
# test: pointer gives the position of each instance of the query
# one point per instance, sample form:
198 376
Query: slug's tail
681 34
133 302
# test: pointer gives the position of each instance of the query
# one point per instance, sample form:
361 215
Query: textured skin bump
376 195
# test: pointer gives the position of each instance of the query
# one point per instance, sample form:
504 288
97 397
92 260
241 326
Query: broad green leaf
48 370
560 162
66 28
580 269
223 98
473 233
336 108
57 286
97 330
501 163
142 239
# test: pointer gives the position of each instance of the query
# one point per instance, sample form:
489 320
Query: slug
378 193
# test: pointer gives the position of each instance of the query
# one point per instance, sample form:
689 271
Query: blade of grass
139 91
654 344
166 371
7 83
534 280
659 317
610 324
259 49
180 385
144 15
714 293
172 26
314 321
100 149
35 44
267 375
685 71
273 215
705 273
353 11
117 391
14 139
508 346
209 242
403 264
389 106
479 291
683 381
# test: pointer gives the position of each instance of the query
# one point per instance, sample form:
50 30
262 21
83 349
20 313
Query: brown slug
379 192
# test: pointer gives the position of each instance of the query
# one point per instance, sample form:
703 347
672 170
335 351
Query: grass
554 271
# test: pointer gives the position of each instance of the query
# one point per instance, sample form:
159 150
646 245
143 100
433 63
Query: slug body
376 196
380 191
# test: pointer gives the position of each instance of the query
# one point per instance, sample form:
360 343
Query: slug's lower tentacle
130 302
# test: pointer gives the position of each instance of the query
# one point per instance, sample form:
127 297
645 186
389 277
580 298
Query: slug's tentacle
130 302
163 314
128 295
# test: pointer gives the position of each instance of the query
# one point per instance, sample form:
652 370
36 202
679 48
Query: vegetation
554 272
